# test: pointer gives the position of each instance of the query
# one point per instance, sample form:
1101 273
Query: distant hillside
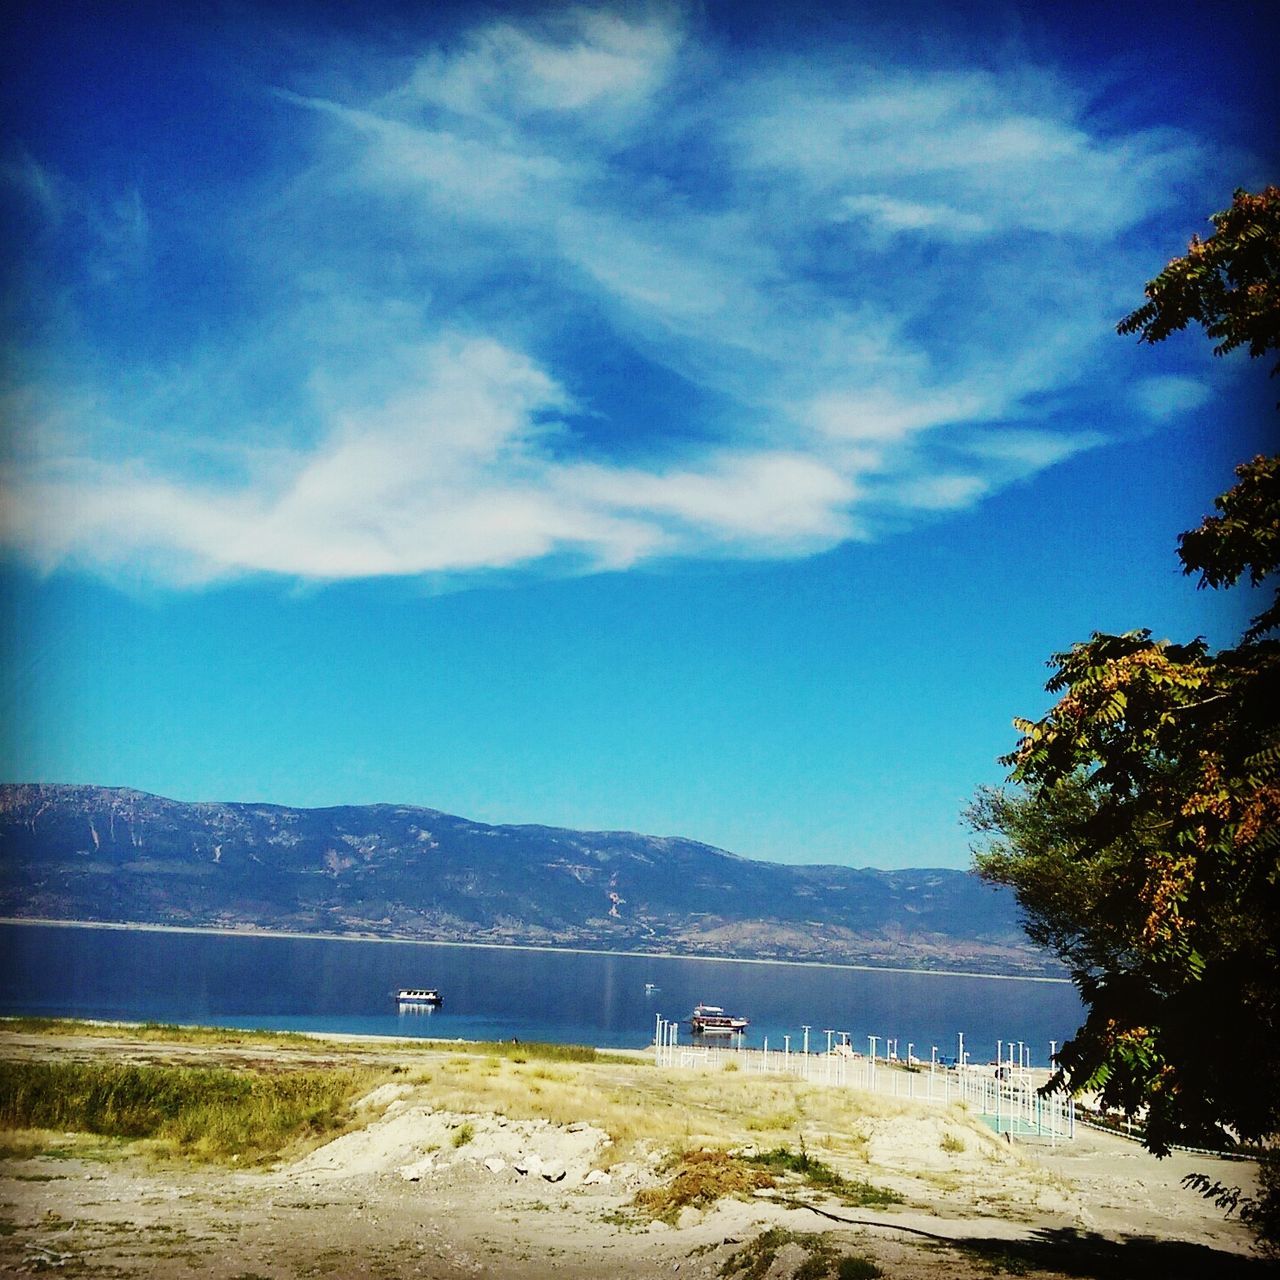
98 853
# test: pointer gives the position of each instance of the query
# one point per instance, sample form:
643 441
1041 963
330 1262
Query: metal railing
1009 1100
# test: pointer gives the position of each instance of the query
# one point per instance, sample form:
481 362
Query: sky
703 420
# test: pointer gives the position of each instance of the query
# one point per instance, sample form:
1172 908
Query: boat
651 987
711 1020
419 995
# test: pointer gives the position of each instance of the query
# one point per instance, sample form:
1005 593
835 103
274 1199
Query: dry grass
151 1032
206 1113
698 1180
172 1033
645 1110
822 1177
860 1136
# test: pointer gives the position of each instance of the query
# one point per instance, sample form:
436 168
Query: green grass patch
156 1031
530 1051
857 1268
824 1178
171 1033
820 1262
210 1113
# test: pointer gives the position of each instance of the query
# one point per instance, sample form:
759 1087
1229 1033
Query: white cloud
867 284
760 499
580 59
1164 397
943 492
960 155
882 414
452 474
911 215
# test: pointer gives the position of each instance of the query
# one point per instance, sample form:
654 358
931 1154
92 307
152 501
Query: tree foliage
1229 283
1243 539
1140 834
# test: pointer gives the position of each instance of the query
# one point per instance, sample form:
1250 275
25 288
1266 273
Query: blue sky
698 420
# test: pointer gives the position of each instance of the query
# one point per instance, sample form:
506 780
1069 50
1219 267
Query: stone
495 1164
415 1171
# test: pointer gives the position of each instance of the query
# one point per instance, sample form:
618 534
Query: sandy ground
406 1194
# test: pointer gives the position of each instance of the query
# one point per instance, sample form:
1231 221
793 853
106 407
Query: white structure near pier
1005 1094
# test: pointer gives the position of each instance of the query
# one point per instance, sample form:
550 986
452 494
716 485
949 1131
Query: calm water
321 984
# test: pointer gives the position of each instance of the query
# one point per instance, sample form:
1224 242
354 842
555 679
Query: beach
462 1163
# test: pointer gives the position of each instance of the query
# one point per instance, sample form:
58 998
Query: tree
1229 283
1140 831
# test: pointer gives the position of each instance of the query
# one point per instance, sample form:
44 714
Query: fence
1008 1099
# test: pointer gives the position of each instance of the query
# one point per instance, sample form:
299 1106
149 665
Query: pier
1006 1094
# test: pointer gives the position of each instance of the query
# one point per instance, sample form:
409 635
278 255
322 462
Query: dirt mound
416 1140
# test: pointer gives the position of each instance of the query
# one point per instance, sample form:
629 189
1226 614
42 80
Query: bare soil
415 1190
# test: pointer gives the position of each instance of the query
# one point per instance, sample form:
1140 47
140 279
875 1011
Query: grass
156 1031
823 1177
532 1051
643 1110
171 1033
821 1261
700 1178
210 1113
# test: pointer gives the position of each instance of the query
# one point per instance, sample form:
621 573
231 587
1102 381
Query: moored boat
419 995
711 1020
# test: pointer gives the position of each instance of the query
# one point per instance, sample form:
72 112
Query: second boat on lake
711 1020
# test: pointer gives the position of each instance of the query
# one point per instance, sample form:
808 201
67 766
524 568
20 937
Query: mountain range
113 854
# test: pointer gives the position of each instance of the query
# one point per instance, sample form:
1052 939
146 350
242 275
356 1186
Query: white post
998 1093
786 1053
960 1055
830 1032
806 1041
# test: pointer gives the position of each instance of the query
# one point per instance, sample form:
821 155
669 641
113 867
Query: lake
495 993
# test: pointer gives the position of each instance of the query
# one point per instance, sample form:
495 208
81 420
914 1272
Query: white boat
419 995
711 1020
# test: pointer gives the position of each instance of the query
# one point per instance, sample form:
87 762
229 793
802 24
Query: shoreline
248 931
396 1188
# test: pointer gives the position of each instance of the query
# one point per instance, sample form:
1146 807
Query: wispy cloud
1164 397
856 290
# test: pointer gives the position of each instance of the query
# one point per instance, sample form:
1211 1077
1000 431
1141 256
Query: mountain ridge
116 854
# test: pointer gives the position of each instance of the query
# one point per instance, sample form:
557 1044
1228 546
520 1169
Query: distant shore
251 931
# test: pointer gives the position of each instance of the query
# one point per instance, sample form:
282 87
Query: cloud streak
849 293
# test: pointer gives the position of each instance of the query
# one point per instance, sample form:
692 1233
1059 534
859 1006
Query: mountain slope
98 853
